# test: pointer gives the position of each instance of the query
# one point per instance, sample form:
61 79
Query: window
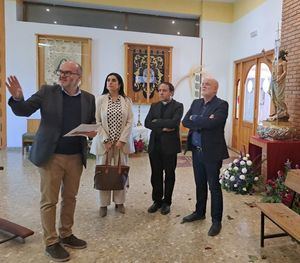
87 17
238 98
249 95
264 96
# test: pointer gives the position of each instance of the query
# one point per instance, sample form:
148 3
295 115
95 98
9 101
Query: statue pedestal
274 154
276 130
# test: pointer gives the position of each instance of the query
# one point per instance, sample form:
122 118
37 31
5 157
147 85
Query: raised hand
14 87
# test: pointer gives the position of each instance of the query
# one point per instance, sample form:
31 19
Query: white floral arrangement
239 176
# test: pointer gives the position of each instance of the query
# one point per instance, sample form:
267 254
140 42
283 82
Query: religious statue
277 126
277 86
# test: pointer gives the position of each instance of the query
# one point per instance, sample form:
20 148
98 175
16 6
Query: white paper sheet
83 128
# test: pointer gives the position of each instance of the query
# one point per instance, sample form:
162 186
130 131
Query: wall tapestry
147 66
54 50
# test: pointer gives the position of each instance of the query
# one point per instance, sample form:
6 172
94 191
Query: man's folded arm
173 122
218 118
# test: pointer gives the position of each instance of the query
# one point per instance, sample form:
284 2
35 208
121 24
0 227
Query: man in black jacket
164 120
206 120
60 159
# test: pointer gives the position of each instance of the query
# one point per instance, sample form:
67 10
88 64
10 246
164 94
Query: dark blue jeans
207 173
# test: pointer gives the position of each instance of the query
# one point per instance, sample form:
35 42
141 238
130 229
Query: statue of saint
277 86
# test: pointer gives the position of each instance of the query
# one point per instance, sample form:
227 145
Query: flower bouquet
140 145
277 192
240 175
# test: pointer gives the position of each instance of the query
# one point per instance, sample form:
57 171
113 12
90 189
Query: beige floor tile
137 236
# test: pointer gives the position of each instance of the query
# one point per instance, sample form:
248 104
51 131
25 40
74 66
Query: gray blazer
49 99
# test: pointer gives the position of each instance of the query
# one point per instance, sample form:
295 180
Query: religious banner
147 66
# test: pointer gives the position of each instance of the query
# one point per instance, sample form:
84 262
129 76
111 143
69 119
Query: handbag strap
119 163
106 163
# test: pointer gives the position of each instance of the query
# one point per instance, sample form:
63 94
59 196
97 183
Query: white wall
265 20
223 44
107 56
216 43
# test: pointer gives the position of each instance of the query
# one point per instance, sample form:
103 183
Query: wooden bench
281 215
28 137
183 135
14 229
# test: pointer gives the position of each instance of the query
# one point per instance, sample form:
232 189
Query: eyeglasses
65 73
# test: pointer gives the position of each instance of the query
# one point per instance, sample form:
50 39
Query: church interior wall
223 43
107 56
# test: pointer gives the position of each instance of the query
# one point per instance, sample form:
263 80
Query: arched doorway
252 102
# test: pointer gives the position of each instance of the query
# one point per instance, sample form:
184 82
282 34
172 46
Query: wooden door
252 102
2 79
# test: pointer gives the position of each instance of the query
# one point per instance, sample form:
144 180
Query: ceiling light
173 22
48 9
115 27
44 45
55 22
178 33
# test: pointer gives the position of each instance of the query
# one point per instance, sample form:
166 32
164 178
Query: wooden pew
14 229
183 135
28 137
281 215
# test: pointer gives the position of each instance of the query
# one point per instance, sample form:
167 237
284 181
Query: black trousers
162 163
207 172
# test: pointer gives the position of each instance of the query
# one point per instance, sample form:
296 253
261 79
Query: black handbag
111 177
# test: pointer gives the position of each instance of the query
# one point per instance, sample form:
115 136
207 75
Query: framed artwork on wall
52 51
146 66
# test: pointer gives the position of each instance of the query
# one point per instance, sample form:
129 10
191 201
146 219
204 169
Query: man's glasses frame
66 73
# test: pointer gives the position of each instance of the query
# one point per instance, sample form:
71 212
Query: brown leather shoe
103 211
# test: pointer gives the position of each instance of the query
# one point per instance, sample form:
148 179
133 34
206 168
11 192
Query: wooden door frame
3 132
241 74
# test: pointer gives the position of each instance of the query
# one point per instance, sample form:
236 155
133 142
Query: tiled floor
137 236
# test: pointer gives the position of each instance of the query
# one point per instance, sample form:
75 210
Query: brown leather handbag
111 177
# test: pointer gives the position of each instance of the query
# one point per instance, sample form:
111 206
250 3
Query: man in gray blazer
60 159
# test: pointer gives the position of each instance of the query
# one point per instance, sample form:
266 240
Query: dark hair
283 54
170 85
121 83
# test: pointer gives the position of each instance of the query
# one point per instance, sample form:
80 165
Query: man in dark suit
163 119
60 159
206 120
